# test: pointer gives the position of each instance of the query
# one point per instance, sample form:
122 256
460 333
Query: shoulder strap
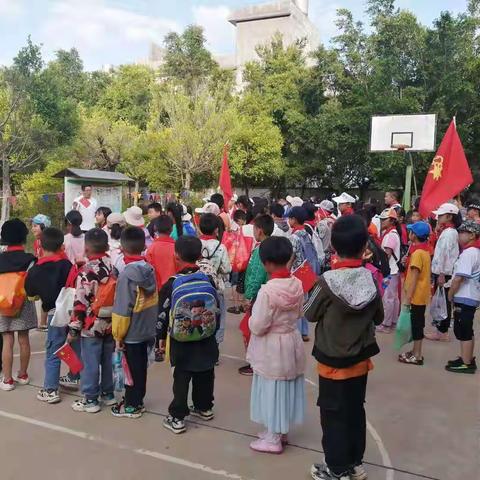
209 257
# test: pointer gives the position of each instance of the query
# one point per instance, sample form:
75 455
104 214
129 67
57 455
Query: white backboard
415 132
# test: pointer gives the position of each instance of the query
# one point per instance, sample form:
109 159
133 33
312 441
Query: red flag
306 275
448 175
67 354
225 182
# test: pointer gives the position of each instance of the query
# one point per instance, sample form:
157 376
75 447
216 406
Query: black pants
463 322
1 350
417 313
202 392
343 420
137 359
444 325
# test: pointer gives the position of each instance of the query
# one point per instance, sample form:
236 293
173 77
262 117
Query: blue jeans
303 326
56 337
223 317
97 355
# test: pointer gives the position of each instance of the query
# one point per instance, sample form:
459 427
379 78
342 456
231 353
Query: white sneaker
175 425
23 380
7 386
359 473
48 397
84 405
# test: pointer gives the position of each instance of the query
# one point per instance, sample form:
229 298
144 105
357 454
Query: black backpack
379 258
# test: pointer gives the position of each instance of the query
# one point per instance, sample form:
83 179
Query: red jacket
161 255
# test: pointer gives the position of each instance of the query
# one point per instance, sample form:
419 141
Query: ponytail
176 210
116 231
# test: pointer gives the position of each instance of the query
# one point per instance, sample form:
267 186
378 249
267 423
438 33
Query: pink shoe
263 435
270 444
383 329
437 336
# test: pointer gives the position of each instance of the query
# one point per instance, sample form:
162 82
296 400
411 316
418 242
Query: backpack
205 265
194 311
379 258
309 252
12 293
103 304
317 243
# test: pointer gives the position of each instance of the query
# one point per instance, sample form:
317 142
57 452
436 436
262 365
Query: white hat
186 217
134 217
446 208
344 198
209 207
294 201
326 205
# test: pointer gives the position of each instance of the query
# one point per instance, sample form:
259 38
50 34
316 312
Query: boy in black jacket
45 281
346 305
194 360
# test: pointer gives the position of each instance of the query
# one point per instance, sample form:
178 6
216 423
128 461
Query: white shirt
468 267
278 232
446 252
88 213
392 241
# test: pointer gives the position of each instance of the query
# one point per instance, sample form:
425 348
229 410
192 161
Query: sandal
410 359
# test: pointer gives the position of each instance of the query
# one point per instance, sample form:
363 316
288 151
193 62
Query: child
154 210
275 351
115 224
217 256
161 255
15 260
465 294
134 319
256 275
74 239
346 305
444 258
193 360
101 216
39 223
95 330
417 288
45 280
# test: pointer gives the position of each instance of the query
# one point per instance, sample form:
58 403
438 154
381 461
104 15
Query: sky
113 32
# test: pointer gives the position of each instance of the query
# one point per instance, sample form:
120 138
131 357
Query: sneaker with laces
48 396
358 472
410 359
7 385
175 425
88 406
206 415
108 399
322 472
22 379
462 368
68 382
121 411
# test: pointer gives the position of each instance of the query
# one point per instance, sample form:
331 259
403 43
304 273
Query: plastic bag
63 307
118 376
438 307
242 254
403 332
127 374
230 240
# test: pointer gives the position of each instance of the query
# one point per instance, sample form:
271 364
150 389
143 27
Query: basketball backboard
415 133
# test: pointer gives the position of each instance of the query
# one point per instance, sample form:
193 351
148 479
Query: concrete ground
423 424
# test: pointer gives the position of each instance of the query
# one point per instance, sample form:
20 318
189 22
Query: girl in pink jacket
276 352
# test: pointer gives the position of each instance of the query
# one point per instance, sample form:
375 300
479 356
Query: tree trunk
188 181
137 188
6 191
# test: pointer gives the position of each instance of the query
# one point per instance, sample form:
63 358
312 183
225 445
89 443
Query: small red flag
306 275
225 182
67 354
448 175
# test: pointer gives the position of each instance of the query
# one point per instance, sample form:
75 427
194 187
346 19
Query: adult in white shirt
87 206
391 246
392 200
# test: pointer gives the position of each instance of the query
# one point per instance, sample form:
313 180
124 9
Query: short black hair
299 214
155 206
310 210
277 210
208 223
14 232
395 194
218 199
51 239
265 223
239 215
277 250
163 224
188 248
349 236
133 240
86 186
97 240
105 211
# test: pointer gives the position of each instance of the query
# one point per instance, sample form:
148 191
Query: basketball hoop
401 147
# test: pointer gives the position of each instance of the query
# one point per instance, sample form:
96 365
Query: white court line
387 462
139 451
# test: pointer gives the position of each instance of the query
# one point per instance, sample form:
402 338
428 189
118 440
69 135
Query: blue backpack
309 252
194 311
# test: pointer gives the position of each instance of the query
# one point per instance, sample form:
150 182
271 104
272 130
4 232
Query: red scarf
208 237
311 223
413 248
388 231
281 273
441 228
15 248
132 258
56 257
97 256
85 202
348 211
298 228
348 263
164 239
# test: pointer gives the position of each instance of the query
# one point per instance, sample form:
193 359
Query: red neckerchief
413 248
164 239
208 237
311 223
15 248
348 263
443 227
322 214
132 258
388 231
298 228
97 256
477 243
85 202
282 273
348 211
56 257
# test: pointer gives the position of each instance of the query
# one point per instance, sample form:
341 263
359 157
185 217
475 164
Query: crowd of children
158 291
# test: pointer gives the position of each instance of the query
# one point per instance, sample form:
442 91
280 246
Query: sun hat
209 207
134 216
470 226
186 217
446 208
41 219
116 218
420 229
326 205
344 198
294 201
388 213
